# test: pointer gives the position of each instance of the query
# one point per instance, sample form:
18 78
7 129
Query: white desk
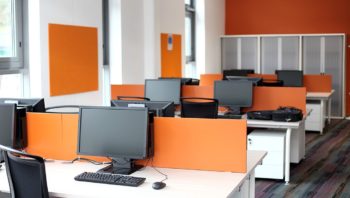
325 100
289 126
180 183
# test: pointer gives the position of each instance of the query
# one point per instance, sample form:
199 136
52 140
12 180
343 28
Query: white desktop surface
180 183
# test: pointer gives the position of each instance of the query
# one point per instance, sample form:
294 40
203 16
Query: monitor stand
121 166
233 110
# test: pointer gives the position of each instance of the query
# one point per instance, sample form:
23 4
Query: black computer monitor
234 94
159 108
124 134
256 81
184 81
7 125
291 78
163 90
237 72
31 104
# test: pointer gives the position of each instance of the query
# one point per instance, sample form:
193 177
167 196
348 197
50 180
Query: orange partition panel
171 55
44 134
198 91
201 144
264 76
318 83
270 98
73 53
127 90
209 79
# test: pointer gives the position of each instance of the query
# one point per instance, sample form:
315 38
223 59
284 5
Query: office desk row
180 183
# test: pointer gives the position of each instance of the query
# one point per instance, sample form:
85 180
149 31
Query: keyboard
107 178
230 116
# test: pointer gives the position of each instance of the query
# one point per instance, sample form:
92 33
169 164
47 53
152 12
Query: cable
89 160
165 175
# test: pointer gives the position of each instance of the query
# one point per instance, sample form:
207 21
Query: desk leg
329 104
287 155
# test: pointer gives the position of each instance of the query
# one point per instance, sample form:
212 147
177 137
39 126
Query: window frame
16 62
191 13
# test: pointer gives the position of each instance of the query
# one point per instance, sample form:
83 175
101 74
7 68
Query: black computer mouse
158 185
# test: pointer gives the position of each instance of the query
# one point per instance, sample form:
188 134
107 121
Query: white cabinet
273 142
316 119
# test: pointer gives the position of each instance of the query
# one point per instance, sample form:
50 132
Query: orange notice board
171 55
73 59
201 144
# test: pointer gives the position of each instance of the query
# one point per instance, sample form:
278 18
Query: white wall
70 12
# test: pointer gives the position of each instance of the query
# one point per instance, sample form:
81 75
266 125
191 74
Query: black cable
89 160
165 175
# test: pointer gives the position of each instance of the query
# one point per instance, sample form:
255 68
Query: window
11 54
190 30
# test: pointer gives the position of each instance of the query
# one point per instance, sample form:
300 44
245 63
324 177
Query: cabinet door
229 53
269 55
312 55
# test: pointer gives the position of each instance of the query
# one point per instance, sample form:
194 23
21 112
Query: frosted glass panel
312 55
229 53
269 55
333 66
290 53
249 50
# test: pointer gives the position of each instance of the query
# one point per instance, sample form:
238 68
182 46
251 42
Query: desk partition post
287 155
329 104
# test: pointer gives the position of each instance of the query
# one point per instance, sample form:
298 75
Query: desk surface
180 183
319 95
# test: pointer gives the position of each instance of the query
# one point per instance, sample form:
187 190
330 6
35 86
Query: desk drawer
269 171
266 140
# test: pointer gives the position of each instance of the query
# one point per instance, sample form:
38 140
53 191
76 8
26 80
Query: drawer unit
316 119
272 141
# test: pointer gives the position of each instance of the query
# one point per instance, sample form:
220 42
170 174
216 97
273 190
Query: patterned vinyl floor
325 171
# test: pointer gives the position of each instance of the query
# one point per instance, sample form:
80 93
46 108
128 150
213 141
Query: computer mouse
158 185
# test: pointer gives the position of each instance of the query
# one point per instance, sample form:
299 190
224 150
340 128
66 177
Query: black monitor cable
165 175
88 160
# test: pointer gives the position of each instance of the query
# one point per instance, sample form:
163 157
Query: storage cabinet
274 143
316 119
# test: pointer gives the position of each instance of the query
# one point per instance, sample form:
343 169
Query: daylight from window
6 28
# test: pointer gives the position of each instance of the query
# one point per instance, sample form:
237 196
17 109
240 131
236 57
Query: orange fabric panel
73 52
269 98
209 79
44 134
264 76
318 83
127 90
198 91
171 60
201 144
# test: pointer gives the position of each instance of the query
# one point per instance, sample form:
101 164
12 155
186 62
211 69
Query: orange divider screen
127 90
209 79
198 91
54 136
73 52
201 144
264 76
270 98
318 83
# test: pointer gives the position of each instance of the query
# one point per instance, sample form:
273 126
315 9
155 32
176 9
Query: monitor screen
32 104
290 78
163 90
234 93
7 125
161 109
254 80
237 72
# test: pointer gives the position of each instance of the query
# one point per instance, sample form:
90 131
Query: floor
325 171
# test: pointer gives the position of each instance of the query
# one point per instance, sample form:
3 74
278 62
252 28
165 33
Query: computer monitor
124 134
237 72
159 108
184 81
163 90
291 78
234 94
7 125
24 105
256 81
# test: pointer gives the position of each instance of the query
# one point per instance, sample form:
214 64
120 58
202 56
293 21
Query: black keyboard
230 116
107 178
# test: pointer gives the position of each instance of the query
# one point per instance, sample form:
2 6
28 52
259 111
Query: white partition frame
258 66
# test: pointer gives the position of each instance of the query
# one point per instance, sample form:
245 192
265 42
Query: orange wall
290 17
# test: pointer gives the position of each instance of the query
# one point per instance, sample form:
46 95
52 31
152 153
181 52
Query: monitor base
125 167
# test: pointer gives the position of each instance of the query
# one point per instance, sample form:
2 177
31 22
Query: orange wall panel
171 60
209 79
318 83
127 90
202 144
73 59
